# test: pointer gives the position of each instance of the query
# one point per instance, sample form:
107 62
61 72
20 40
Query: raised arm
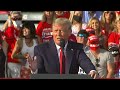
17 49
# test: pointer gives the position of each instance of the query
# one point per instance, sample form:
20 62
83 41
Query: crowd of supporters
98 31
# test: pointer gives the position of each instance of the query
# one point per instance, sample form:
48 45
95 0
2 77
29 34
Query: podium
59 76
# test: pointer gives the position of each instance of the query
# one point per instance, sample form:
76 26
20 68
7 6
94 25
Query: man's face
60 31
82 40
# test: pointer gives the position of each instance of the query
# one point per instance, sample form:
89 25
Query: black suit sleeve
84 62
40 61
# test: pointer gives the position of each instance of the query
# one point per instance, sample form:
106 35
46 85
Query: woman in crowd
114 41
94 23
108 21
44 28
11 30
76 24
24 49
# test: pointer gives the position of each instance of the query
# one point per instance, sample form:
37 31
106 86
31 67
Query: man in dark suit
47 54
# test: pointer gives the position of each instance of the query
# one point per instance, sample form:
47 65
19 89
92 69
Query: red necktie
62 62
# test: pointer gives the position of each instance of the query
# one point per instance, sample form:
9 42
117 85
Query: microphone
62 43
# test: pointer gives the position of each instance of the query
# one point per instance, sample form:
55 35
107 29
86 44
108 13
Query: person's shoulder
75 45
41 23
87 51
113 33
106 54
104 51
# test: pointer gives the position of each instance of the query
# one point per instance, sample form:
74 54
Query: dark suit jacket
48 60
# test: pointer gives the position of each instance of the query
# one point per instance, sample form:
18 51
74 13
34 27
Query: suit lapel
69 57
54 55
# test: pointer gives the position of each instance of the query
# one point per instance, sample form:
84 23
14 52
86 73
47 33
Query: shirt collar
58 47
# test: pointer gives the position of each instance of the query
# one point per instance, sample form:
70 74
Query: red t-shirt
10 35
44 31
114 38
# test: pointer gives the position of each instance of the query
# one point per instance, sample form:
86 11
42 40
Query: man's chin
58 42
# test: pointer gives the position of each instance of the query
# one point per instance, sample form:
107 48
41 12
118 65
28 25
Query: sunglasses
97 63
82 35
15 18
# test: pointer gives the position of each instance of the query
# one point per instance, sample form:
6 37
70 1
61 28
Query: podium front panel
59 76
